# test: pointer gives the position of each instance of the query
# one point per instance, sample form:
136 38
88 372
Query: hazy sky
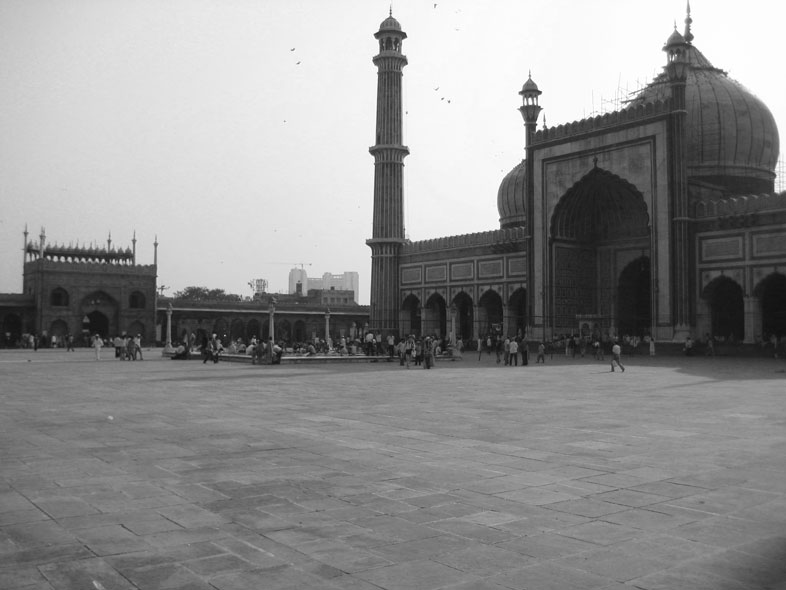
237 131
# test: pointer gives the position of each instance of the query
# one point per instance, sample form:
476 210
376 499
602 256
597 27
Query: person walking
97 344
409 349
138 347
615 357
513 349
428 353
541 353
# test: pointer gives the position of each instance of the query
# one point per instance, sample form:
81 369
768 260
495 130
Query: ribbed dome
530 87
390 24
675 39
511 197
732 137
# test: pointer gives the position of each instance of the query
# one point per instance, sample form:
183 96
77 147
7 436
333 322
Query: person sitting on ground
181 353
278 351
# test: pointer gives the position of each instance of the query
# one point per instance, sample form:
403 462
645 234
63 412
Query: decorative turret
530 109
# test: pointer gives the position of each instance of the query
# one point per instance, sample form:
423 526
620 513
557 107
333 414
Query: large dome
732 137
511 197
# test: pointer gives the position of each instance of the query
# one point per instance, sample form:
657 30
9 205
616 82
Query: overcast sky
237 131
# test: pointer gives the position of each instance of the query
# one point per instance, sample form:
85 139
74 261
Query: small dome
512 198
675 39
530 86
390 24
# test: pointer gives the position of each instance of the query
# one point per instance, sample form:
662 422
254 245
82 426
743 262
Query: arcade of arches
463 318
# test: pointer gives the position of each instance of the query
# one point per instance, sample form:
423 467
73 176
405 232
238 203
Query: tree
203 294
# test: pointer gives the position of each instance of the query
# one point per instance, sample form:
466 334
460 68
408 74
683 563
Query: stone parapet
488 238
634 114
93 267
739 205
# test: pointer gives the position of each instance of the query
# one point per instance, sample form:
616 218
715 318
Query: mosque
659 219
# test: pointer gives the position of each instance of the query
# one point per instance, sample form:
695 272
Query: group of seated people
211 348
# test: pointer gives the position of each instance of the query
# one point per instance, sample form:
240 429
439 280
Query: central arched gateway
598 229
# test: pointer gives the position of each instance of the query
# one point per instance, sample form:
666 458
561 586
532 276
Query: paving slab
367 476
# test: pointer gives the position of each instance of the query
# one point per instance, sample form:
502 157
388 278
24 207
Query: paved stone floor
179 475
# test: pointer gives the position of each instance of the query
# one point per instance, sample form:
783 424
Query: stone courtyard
472 476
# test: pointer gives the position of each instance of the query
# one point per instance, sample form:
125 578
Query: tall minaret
389 153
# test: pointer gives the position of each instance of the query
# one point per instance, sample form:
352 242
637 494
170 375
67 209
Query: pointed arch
490 312
99 323
517 312
410 315
136 300
253 329
236 330
59 297
601 206
772 296
220 329
284 331
436 318
465 316
634 299
727 308
299 333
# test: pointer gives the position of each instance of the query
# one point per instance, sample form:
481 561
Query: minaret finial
390 13
688 20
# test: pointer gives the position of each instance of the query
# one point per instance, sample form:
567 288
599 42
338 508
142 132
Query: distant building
80 291
301 283
259 285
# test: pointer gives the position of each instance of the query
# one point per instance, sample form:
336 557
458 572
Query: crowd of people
409 350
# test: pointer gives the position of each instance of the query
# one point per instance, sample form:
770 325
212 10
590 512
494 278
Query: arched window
59 297
136 300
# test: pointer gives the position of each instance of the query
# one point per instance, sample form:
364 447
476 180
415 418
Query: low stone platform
294 359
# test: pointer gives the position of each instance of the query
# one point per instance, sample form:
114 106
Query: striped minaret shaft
389 153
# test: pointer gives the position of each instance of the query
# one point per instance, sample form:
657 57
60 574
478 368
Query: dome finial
688 20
